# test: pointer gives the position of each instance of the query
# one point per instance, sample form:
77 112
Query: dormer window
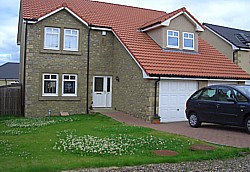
173 39
188 41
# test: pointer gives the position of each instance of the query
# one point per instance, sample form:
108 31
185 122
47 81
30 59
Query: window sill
60 98
67 52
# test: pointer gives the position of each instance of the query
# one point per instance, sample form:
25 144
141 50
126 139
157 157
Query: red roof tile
125 21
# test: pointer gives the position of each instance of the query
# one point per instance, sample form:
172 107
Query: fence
11 100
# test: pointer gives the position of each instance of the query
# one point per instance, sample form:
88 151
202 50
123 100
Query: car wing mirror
232 100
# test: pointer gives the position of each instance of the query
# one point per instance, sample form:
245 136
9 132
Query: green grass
84 141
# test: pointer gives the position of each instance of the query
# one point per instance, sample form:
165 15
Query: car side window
240 97
225 93
196 95
208 94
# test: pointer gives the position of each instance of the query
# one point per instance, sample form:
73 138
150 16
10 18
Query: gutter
155 97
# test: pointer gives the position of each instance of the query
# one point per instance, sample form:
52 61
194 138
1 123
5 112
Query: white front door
102 91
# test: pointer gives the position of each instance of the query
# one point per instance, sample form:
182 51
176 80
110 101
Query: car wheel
247 124
194 121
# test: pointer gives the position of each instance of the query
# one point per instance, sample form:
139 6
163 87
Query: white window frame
53 33
178 42
71 35
188 48
75 80
43 80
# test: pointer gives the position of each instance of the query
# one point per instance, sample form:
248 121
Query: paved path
223 135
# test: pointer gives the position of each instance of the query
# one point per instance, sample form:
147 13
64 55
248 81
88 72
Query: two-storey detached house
77 54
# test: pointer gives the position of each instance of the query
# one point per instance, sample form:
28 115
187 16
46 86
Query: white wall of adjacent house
221 82
173 95
247 82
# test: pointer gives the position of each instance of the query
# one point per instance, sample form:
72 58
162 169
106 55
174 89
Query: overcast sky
230 13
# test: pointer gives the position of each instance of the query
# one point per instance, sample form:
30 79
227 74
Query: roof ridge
9 63
148 9
166 14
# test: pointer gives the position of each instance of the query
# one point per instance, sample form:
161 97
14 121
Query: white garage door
221 82
172 99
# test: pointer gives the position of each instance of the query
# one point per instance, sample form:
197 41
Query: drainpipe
24 67
156 84
234 53
88 57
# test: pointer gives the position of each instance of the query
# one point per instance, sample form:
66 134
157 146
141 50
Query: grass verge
84 141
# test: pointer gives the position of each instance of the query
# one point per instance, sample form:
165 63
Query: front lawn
84 141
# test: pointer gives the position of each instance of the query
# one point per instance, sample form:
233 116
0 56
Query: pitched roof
237 37
9 71
125 21
168 16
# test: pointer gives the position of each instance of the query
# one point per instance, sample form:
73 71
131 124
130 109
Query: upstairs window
51 38
69 84
71 39
50 84
188 41
173 39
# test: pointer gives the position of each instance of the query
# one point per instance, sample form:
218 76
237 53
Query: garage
172 99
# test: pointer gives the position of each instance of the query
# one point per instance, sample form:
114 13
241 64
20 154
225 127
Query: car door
206 105
242 107
227 110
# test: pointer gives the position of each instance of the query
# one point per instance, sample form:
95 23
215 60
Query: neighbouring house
82 54
9 73
233 43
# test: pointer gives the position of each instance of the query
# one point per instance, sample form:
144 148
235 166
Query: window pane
55 30
208 94
185 35
66 76
67 31
71 39
224 94
170 33
49 86
191 36
52 41
108 85
188 43
173 41
240 97
69 87
46 76
175 33
48 30
51 37
53 76
98 84
196 96
73 77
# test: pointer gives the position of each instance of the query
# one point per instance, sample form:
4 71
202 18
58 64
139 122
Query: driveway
222 135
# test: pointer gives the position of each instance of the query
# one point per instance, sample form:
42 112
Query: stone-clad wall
132 94
40 61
